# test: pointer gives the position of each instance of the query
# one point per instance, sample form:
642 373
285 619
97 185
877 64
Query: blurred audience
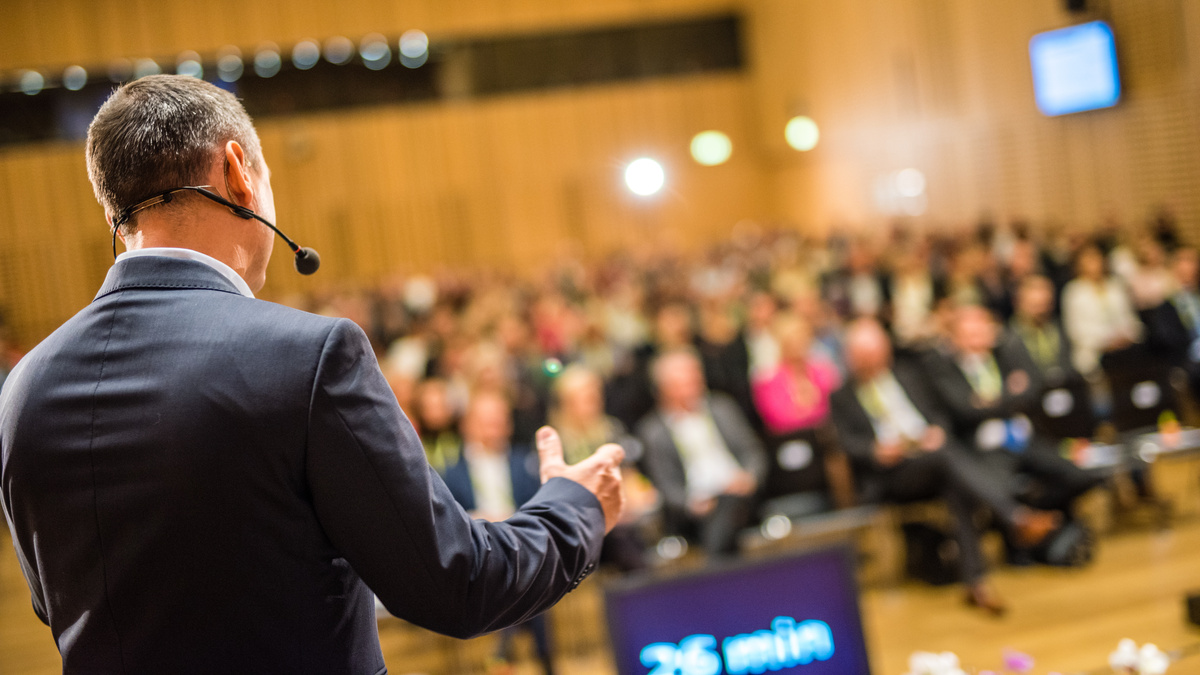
711 358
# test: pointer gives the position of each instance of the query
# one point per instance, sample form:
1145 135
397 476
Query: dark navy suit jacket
201 482
522 472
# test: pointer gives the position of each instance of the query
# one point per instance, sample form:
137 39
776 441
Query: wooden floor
1068 619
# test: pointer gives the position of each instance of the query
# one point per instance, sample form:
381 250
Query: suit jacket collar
157 272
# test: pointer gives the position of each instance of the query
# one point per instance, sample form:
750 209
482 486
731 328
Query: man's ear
237 175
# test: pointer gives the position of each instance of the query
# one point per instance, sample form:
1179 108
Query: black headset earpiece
307 261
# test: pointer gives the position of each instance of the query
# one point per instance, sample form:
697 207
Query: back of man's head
161 132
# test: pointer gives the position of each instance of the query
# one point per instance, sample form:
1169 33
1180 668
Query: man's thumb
550 453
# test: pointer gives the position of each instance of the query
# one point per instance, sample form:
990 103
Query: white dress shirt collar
188 254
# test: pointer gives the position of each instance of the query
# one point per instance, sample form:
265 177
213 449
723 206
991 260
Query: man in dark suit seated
1174 326
1034 323
701 455
895 432
491 480
198 481
987 381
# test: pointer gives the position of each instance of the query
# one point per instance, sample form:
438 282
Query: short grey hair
160 132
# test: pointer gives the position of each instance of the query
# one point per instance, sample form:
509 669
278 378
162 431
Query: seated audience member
761 345
986 381
1038 329
630 393
491 480
579 418
1174 326
794 395
914 290
1096 311
437 423
895 432
1150 281
701 454
859 289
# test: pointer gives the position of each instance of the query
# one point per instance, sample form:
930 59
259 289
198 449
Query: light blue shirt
188 254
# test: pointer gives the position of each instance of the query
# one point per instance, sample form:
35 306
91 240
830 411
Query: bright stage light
711 148
74 77
802 133
644 176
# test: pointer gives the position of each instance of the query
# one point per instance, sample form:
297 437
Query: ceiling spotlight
32 82
375 52
145 67
711 148
644 176
74 78
230 68
339 50
802 133
305 54
267 60
414 48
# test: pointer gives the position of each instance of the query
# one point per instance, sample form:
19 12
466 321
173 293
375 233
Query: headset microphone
307 260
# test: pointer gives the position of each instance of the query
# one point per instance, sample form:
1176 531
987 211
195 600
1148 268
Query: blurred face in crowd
581 397
1024 260
433 406
1090 264
974 330
868 350
673 326
1187 268
680 381
760 311
488 422
1035 299
794 337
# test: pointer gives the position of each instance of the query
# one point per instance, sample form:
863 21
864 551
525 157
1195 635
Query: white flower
1149 660
927 663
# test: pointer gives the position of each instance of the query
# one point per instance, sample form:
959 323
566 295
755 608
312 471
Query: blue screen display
1075 69
797 614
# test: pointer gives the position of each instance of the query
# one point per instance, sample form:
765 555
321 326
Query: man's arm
395 522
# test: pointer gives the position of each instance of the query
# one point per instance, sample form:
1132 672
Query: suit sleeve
741 437
396 523
955 394
857 439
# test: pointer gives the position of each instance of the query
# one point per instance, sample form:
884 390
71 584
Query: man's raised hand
600 473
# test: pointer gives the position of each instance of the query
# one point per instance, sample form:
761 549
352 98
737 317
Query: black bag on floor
1071 545
930 555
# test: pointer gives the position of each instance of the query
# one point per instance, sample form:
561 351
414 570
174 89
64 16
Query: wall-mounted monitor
797 614
1075 69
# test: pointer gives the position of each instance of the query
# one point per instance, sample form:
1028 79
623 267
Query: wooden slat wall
56 33
940 85
945 86
508 183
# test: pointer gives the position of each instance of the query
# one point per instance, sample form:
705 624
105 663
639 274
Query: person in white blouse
1097 313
